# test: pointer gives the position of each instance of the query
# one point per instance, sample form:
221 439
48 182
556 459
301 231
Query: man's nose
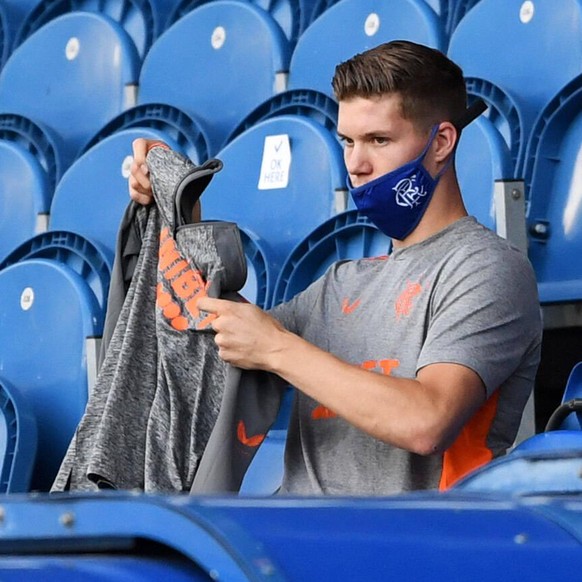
357 162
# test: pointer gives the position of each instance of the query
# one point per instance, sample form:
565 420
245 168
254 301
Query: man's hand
140 188
246 336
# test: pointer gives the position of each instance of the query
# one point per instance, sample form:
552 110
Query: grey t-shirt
463 296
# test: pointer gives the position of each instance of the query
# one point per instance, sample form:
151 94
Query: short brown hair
431 86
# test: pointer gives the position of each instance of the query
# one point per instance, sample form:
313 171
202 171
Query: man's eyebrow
368 134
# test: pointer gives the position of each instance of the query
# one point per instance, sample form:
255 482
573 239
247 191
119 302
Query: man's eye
380 140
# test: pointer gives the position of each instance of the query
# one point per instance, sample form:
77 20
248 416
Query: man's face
377 139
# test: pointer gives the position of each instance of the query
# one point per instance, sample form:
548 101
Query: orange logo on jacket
187 285
249 441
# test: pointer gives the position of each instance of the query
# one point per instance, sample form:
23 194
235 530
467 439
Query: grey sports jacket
161 383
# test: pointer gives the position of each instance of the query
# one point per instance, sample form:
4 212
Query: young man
410 370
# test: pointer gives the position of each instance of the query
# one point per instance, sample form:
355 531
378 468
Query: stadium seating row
192 78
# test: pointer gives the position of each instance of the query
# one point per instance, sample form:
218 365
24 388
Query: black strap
470 114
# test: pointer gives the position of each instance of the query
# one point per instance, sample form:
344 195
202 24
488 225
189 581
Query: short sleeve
485 315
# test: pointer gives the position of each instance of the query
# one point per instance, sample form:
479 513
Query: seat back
482 158
279 181
552 175
568 416
516 44
349 235
47 313
175 124
24 196
93 64
205 65
18 440
352 26
143 20
92 196
289 14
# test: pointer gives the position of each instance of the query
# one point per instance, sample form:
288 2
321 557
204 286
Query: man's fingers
140 150
213 305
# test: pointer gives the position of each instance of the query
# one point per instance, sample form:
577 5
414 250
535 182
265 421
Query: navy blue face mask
396 201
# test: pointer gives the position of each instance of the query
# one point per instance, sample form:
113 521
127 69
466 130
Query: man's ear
445 142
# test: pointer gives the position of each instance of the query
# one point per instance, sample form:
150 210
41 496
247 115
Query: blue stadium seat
178 126
503 112
297 201
557 441
289 14
352 26
16 12
349 235
205 65
5 34
92 63
32 166
143 20
482 158
568 416
92 196
87 259
552 176
541 465
304 102
451 12
24 196
516 45
18 440
48 313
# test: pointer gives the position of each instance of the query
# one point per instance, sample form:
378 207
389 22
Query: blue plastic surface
170 121
102 568
349 235
352 26
415 537
278 218
143 20
47 311
545 464
305 102
24 195
205 65
18 440
287 13
39 140
553 175
503 112
5 34
89 260
258 284
573 390
91 60
482 158
93 194
16 12
554 440
515 44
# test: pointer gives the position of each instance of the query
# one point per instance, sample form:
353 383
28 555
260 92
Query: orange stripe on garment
469 451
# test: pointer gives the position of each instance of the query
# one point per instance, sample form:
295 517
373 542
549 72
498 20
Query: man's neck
445 208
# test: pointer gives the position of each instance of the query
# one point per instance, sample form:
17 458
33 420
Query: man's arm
422 415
